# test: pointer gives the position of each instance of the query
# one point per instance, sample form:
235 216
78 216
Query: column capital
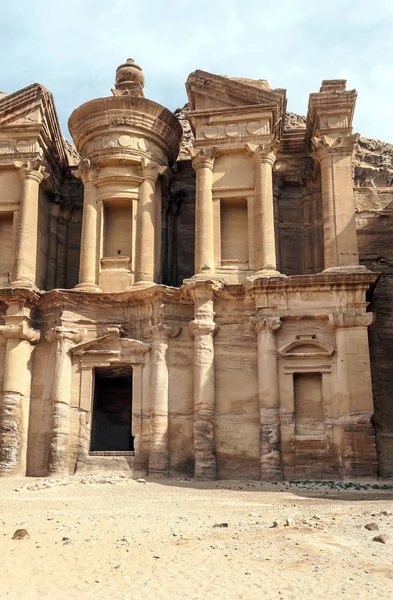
86 171
20 331
164 331
265 324
202 327
60 334
263 153
327 146
203 157
339 320
32 169
151 170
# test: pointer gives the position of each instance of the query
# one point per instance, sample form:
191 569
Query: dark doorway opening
112 410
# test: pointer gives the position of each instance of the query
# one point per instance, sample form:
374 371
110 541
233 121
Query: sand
107 537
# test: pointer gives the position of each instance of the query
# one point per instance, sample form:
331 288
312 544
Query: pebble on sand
21 534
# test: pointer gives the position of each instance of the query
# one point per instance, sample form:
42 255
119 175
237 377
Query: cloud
74 46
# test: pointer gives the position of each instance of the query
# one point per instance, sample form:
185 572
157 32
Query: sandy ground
109 537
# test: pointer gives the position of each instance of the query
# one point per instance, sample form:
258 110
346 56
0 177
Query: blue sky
74 46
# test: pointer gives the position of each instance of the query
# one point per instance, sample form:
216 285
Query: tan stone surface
252 361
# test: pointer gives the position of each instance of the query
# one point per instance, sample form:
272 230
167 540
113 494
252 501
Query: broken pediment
306 346
29 124
206 91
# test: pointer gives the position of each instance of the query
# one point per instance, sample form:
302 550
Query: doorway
112 410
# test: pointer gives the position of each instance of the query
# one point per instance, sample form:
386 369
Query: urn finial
129 79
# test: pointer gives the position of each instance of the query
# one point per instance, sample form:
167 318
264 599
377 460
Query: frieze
18 146
233 130
125 141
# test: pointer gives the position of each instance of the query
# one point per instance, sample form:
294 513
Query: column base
87 287
347 269
263 274
140 285
18 283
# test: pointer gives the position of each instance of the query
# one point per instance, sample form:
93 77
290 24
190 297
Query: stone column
203 329
63 339
32 173
338 205
264 235
16 389
159 447
88 256
268 398
203 163
145 252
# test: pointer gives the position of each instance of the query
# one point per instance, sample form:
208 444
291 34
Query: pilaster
354 405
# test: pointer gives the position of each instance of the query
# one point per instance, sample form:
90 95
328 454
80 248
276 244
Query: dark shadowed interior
112 410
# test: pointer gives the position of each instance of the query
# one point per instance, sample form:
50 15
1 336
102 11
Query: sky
73 47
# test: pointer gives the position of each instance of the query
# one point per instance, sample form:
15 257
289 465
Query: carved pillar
159 448
203 329
338 205
353 406
264 235
63 339
268 398
88 256
32 173
144 264
16 389
203 163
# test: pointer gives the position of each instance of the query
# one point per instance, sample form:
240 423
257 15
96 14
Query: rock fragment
371 527
21 534
382 539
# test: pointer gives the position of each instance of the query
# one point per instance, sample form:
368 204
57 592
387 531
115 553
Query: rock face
217 324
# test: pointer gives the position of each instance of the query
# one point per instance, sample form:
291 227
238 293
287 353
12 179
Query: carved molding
202 327
60 333
240 129
32 169
86 171
126 142
20 331
265 324
351 320
163 331
327 146
306 346
263 153
203 157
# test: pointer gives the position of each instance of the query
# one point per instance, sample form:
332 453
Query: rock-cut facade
202 314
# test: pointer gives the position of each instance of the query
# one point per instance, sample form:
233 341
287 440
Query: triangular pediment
111 343
32 110
208 91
